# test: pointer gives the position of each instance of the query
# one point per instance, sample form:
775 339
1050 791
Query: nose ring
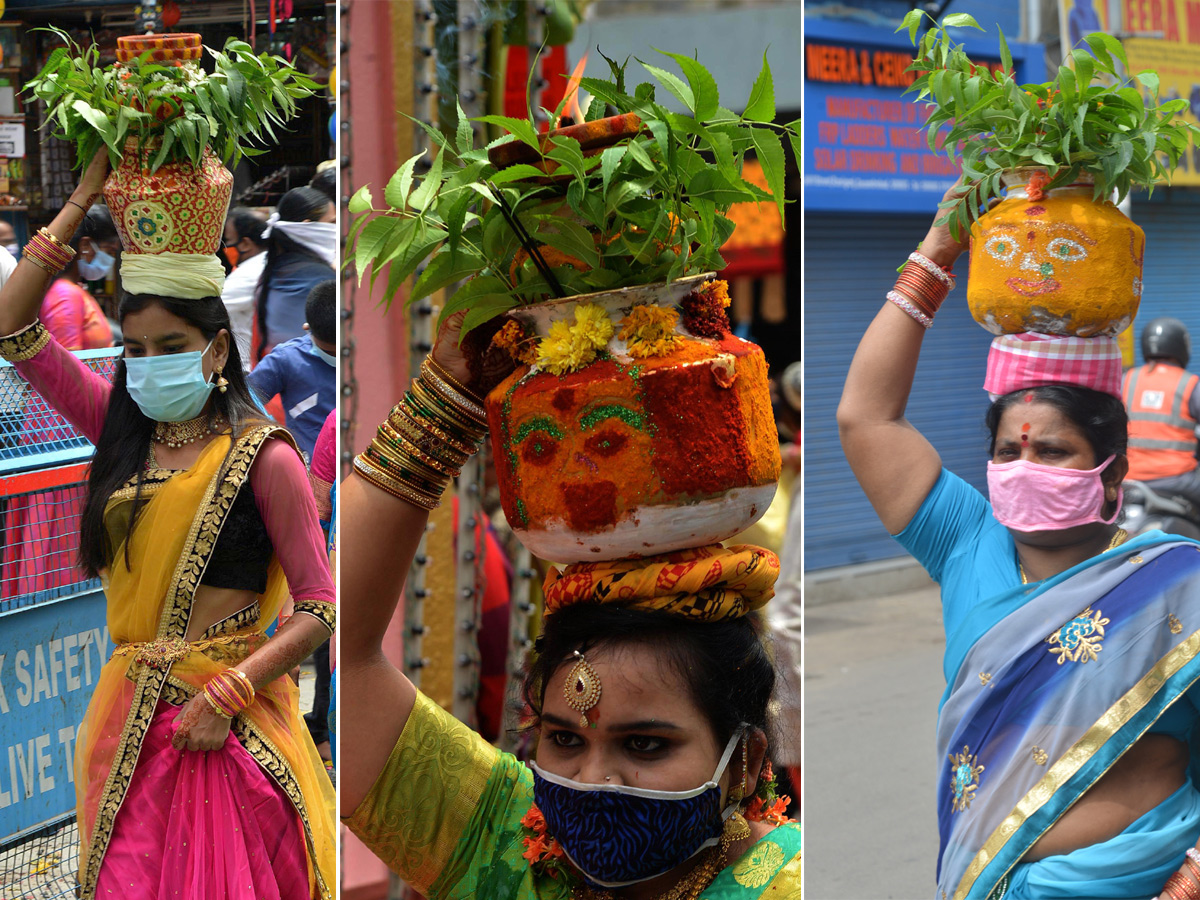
608 778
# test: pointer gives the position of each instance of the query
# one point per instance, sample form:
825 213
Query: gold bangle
425 442
404 445
55 239
405 469
397 464
390 486
406 475
244 679
403 413
28 257
445 375
446 412
213 703
440 385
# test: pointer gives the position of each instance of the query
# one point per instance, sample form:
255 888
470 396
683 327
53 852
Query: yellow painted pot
1060 264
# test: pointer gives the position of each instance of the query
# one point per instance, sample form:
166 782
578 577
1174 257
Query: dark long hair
725 665
124 444
302 204
1101 417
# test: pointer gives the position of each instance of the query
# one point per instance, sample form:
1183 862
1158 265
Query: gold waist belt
165 652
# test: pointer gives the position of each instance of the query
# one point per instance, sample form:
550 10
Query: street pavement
873 677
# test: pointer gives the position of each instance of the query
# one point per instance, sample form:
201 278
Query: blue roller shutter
1171 220
849 265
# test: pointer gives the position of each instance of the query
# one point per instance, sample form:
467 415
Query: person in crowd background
302 247
303 371
325 180
1164 410
244 241
68 311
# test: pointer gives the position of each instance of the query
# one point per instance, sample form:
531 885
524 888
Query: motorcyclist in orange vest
1164 408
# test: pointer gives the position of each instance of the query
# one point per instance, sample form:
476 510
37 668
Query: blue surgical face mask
99 268
321 354
171 387
658 830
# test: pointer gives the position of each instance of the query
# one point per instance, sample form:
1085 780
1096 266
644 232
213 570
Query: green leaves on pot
176 110
1119 135
640 200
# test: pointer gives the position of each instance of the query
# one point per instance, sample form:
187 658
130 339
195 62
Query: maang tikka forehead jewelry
582 688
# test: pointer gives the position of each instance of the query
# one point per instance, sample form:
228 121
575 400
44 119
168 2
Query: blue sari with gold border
1052 682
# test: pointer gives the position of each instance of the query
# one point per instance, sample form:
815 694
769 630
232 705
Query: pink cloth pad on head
1017 361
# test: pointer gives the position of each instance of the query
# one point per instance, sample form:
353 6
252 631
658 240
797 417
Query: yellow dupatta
149 606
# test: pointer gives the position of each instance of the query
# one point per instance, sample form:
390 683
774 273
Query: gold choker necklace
177 434
1117 539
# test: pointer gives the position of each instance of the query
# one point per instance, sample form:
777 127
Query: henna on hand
293 643
199 727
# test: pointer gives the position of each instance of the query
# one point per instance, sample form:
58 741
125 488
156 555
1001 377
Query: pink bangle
909 308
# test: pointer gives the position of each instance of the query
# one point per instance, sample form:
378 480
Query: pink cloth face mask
1028 496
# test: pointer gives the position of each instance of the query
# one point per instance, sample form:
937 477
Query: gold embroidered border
267 755
1073 760
246 616
210 517
322 610
26 343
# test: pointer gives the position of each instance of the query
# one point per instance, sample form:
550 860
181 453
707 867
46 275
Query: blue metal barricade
53 638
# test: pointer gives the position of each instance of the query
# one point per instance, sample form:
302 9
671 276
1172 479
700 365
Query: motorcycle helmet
1166 338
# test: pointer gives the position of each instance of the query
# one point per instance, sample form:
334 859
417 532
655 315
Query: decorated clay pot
178 209
1054 263
630 457
162 47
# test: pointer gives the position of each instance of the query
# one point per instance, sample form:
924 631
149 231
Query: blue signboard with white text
50 659
864 150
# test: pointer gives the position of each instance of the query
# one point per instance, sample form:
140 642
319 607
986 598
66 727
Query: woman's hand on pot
91 185
199 727
940 244
472 359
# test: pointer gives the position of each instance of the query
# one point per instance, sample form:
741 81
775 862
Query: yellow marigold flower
563 351
513 339
660 347
717 290
650 331
592 325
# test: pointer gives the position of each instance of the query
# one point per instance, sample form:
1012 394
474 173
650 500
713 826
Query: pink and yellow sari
251 820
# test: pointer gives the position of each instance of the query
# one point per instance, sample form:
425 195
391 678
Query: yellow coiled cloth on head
704 584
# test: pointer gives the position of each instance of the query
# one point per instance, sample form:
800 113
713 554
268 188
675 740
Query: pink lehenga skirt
203 824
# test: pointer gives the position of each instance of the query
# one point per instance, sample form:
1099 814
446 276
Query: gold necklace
695 882
1117 539
178 434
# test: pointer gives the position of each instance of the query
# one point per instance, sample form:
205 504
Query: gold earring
222 384
581 690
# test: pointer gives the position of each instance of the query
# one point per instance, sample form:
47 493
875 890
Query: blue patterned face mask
618 835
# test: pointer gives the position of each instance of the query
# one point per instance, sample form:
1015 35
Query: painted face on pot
631 446
581 446
1039 252
1059 265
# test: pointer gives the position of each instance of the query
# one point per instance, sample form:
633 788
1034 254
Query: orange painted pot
631 457
178 209
1062 264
